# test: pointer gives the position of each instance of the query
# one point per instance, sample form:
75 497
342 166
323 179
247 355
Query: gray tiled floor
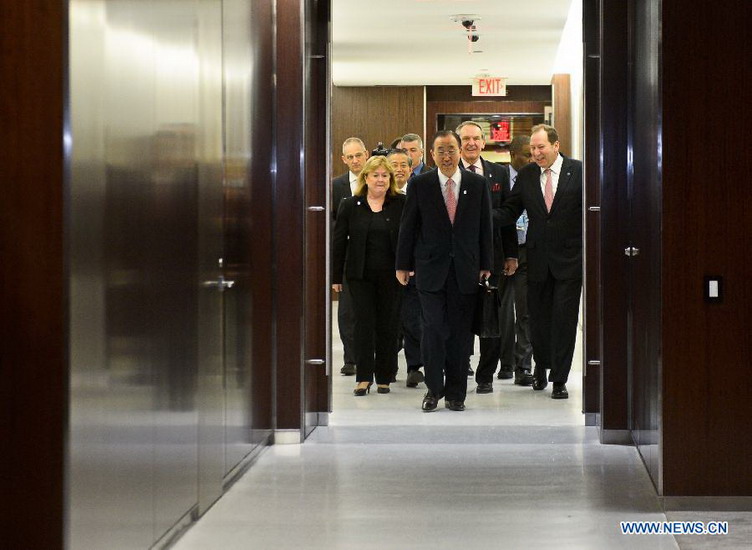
517 470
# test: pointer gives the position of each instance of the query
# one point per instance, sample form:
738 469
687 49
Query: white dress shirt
555 171
353 182
478 166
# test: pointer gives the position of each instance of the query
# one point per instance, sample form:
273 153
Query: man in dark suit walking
473 142
446 241
550 189
354 155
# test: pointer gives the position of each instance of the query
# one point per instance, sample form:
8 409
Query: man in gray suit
354 155
414 147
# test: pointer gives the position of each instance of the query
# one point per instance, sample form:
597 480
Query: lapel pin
464 192
358 203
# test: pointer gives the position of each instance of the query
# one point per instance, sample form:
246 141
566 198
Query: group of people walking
411 245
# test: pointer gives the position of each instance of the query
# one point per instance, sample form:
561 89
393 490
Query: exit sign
489 86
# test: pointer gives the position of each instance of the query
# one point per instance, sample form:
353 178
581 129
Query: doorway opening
364 80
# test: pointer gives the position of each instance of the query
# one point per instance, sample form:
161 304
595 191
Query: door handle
316 208
220 284
315 362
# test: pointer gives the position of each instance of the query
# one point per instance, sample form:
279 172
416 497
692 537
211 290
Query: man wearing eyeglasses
354 155
446 242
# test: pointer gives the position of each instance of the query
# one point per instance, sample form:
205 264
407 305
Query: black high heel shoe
359 392
382 388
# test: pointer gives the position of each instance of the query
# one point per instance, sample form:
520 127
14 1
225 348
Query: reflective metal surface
152 407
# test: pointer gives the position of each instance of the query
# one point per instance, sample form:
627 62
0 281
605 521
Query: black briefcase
486 320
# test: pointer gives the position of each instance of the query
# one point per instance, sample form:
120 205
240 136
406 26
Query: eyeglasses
443 152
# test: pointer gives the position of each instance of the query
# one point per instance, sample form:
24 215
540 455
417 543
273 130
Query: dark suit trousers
494 349
346 322
412 325
447 325
554 308
376 300
523 349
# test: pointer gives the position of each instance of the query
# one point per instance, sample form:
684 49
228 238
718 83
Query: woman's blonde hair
371 165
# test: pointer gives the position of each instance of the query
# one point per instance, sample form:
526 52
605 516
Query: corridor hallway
516 470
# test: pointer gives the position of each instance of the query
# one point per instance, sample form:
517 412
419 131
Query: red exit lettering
489 86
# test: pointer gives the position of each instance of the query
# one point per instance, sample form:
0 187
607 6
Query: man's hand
510 266
485 274
403 276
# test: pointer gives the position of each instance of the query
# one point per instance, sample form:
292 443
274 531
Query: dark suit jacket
554 240
351 234
428 242
505 236
340 190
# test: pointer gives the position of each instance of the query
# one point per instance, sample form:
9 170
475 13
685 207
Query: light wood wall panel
379 113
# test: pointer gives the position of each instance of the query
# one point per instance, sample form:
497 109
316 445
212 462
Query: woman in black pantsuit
364 246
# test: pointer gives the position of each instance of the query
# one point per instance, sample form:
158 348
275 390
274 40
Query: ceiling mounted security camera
467 23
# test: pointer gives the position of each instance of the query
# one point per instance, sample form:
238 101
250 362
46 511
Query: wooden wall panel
562 104
289 218
262 190
373 114
591 162
33 289
614 217
707 222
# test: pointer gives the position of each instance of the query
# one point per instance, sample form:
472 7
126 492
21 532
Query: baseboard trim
706 504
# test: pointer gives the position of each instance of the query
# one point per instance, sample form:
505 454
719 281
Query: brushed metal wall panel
239 82
146 136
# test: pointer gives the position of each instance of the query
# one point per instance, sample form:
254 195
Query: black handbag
486 319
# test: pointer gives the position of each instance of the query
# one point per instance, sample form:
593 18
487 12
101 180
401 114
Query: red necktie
548 191
472 168
451 200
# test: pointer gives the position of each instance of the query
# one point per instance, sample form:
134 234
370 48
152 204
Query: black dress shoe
523 378
505 374
539 379
454 405
348 369
560 391
430 402
414 377
382 388
484 387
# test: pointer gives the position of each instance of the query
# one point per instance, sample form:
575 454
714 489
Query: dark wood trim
591 160
289 216
614 214
465 93
33 341
262 190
